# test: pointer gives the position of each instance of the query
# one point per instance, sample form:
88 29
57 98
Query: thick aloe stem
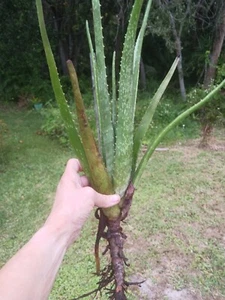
99 176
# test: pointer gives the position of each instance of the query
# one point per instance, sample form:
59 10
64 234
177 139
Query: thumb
105 201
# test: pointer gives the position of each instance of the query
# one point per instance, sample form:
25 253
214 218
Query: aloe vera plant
111 161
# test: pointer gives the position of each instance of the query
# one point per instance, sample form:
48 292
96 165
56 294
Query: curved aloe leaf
147 118
169 127
126 106
95 87
99 176
114 109
137 50
102 96
100 179
60 97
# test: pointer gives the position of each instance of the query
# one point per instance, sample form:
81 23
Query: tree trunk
61 44
63 57
142 75
179 54
181 76
121 27
207 126
216 49
206 136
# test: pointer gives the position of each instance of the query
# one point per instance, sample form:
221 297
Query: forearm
31 272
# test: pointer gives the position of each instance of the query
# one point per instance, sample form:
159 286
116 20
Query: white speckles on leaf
102 94
126 104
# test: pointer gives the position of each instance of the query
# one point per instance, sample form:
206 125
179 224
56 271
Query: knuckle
90 195
89 192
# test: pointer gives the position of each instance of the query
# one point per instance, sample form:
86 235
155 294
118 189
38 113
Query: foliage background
23 70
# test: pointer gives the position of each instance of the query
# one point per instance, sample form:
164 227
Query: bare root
112 278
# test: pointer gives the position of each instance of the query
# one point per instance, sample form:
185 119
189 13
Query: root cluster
112 278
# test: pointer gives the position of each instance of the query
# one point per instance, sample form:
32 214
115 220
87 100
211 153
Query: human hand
74 201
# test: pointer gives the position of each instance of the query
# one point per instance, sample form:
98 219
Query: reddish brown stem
113 277
116 242
116 238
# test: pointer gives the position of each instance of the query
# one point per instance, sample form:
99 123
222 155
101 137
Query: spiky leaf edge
147 118
126 106
99 176
103 103
59 95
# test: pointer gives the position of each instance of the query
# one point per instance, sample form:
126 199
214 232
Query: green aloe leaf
138 48
102 94
114 98
95 88
147 118
60 97
112 212
126 106
180 118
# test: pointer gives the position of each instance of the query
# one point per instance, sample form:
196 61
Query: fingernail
115 199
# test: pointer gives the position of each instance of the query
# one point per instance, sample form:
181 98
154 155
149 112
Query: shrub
213 113
167 111
54 127
3 131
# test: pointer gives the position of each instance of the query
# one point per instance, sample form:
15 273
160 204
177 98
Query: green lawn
176 234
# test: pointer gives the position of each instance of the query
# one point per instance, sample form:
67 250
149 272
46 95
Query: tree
210 113
217 45
187 28
21 54
112 165
66 23
174 17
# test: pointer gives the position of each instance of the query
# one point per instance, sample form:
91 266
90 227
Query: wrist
60 228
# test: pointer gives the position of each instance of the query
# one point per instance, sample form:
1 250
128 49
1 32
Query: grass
175 228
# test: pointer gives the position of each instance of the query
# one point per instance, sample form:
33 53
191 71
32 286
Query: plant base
112 277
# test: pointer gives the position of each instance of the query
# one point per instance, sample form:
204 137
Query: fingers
105 201
72 168
71 174
73 165
84 181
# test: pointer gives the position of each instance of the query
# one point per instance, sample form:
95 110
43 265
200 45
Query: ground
176 232
181 251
